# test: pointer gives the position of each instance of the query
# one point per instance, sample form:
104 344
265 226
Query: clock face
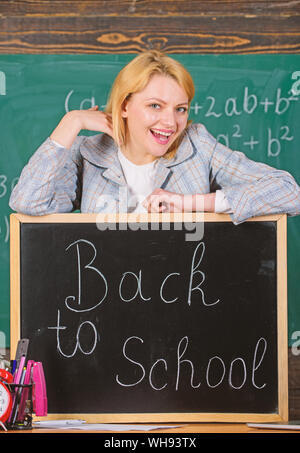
5 402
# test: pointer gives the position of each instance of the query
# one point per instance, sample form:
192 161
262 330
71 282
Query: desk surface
192 428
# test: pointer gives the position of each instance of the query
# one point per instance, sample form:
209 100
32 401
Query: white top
140 182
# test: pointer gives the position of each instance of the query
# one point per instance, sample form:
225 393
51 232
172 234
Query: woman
149 157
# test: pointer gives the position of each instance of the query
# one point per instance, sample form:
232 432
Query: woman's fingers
94 119
163 201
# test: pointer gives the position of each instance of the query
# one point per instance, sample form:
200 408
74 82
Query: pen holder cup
21 412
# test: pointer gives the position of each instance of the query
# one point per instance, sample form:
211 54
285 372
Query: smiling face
155 117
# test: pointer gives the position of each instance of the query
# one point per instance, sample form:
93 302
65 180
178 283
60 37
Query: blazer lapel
115 173
161 174
102 151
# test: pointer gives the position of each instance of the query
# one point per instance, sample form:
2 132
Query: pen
18 398
59 422
17 378
3 426
13 364
25 393
19 371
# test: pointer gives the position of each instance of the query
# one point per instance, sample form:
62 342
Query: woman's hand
163 201
76 120
95 120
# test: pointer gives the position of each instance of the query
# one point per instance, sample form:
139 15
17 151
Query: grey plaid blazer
89 175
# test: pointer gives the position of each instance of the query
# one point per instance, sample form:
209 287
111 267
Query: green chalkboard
250 102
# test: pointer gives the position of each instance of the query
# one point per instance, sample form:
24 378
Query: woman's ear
124 109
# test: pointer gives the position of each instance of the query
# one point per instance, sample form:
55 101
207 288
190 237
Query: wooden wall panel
190 26
294 385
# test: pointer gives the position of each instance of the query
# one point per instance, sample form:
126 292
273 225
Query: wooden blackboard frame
16 221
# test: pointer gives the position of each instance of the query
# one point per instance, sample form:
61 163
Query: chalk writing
6 187
194 271
4 228
84 104
58 328
274 139
136 278
214 372
77 305
296 342
248 104
2 84
295 90
80 270
217 371
3 185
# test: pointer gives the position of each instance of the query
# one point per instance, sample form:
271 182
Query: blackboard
152 319
249 102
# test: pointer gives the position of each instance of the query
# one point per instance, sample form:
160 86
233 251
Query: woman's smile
161 136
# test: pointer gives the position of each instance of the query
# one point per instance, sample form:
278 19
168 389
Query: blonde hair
134 77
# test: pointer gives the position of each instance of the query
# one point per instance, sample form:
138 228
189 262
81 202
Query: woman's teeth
161 137
165 134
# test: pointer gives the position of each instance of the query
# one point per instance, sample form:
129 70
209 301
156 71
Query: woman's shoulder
202 141
198 132
98 142
98 149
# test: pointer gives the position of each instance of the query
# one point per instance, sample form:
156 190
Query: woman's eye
179 109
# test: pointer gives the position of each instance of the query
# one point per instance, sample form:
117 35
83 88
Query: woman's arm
73 122
51 181
250 188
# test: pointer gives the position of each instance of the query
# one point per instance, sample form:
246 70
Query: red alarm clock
5 402
6 376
